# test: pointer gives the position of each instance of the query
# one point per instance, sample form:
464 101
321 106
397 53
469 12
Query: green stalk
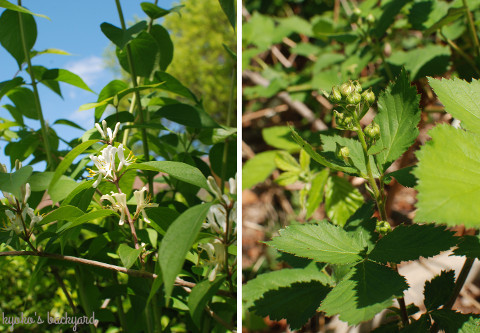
460 52
38 106
471 27
380 201
225 147
137 96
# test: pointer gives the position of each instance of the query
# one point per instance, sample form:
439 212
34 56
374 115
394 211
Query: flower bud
355 14
335 96
347 88
343 153
383 227
370 19
354 98
372 131
357 86
368 96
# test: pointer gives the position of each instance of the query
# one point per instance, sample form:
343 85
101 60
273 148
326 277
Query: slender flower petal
118 203
99 129
115 131
142 204
124 162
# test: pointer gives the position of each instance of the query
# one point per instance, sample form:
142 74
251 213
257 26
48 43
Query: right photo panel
361 159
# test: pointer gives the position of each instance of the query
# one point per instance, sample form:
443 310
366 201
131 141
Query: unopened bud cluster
358 17
383 227
351 93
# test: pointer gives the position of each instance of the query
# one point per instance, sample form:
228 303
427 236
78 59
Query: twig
298 106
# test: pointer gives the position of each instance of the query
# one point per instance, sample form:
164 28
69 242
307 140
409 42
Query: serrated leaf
315 193
459 98
322 242
323 160
468 246
178 170
305 296
410 242
177 241
398 117
258 168
361 225
438 290
357 156
452 321
403 176
365 291
341 200
12 182
448 183
254 289
128 255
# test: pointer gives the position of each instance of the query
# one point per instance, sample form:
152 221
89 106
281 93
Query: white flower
142 204
118 203
107 131
232 182
216 219
216 257
212 184
124 162
105 164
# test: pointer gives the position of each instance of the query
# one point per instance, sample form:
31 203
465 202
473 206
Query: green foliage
437 291
210 78
258 168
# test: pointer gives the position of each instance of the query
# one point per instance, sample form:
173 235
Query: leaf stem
38 106
462 277
133 75
471 27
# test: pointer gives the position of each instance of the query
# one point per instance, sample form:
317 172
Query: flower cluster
19 209
105 162
222 221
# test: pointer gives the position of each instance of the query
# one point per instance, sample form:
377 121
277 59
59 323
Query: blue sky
74 26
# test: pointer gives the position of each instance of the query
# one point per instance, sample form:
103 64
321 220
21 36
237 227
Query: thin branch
131 272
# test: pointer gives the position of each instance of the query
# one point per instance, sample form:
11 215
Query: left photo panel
118 166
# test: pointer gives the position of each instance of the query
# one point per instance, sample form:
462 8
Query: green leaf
217 163
177 241
62 213
287 178
403 176
286 162
127 255
12 182
111 89
228 7
452 15
320 158
438 290
68 123
256 288
452 321
306 296
10 36
280 137
258 168
468 246
66 76
361 225
398 116
6 86
187 115
40 181
389 11
365 291
121 37
458 97
153 11
24 100
84 218
322 242
419 62
165 45
173 85
341 200
406 243
315 194
448 183
144 50
200 296
68 160
357 156
11 6
178 170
